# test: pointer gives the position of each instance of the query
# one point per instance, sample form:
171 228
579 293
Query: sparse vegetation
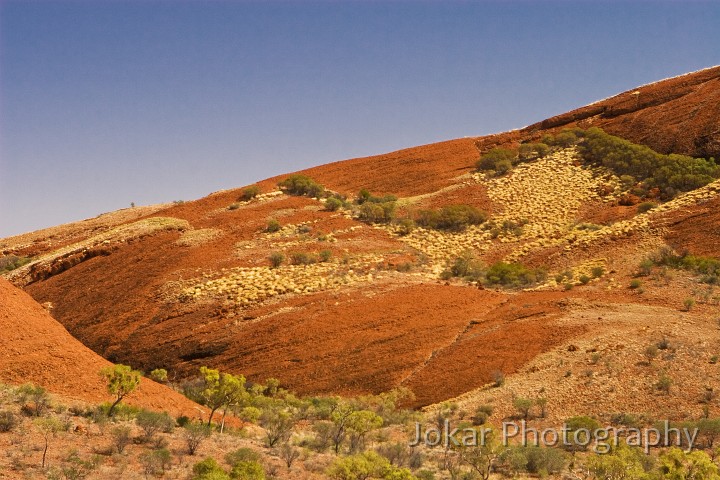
11 262
652 173
276 259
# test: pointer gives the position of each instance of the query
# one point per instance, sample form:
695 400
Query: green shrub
465 266
302 258
531 151
242 455
669 174
154 422
11 262
247 470
366 197
688 303
482 413
542 460
497 159
598 272
371 212
8 421
302 185
276 259
35 394
333 204
454 218
708 267
325 255
209 469
272 226
635 284
249 193
513 275
159 375
405 226
195 434
584 279
155 462
646 207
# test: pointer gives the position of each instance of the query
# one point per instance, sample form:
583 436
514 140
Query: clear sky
103 103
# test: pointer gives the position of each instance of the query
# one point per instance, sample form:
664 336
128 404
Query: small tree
288 453
278 425
154 422
122 380
221 390
523 406
49 428
121 437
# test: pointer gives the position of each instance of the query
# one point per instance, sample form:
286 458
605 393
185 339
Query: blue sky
103 103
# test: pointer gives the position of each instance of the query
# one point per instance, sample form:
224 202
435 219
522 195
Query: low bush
708 267
302 185
249 193
153 422
499 160
8 421
333 204
11 262
454 218
272 226
667 175
532 151
371 212
513 275
646 207
276 259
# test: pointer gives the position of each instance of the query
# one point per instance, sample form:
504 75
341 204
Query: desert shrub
531 151
154 422
325 255
272 226
542 460
481 415
646 207
155 462
121 437
566 138
465 266
276 259
584 279
635 284
513 275
195 434
707 267
11 262
333 204
247 470
302 185
405 226
302 258
688 304
371 212
598 272
581 428
523 406
8 421
496 157
455 218
159 375
669 174
366 197
209 469
242 455
234 206
36 395
249 193
664 383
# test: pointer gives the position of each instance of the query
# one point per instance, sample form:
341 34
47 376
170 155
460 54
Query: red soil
36 348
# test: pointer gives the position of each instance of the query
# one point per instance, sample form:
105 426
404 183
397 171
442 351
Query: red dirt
36 348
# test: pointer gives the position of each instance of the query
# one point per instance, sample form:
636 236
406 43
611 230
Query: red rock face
438 340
